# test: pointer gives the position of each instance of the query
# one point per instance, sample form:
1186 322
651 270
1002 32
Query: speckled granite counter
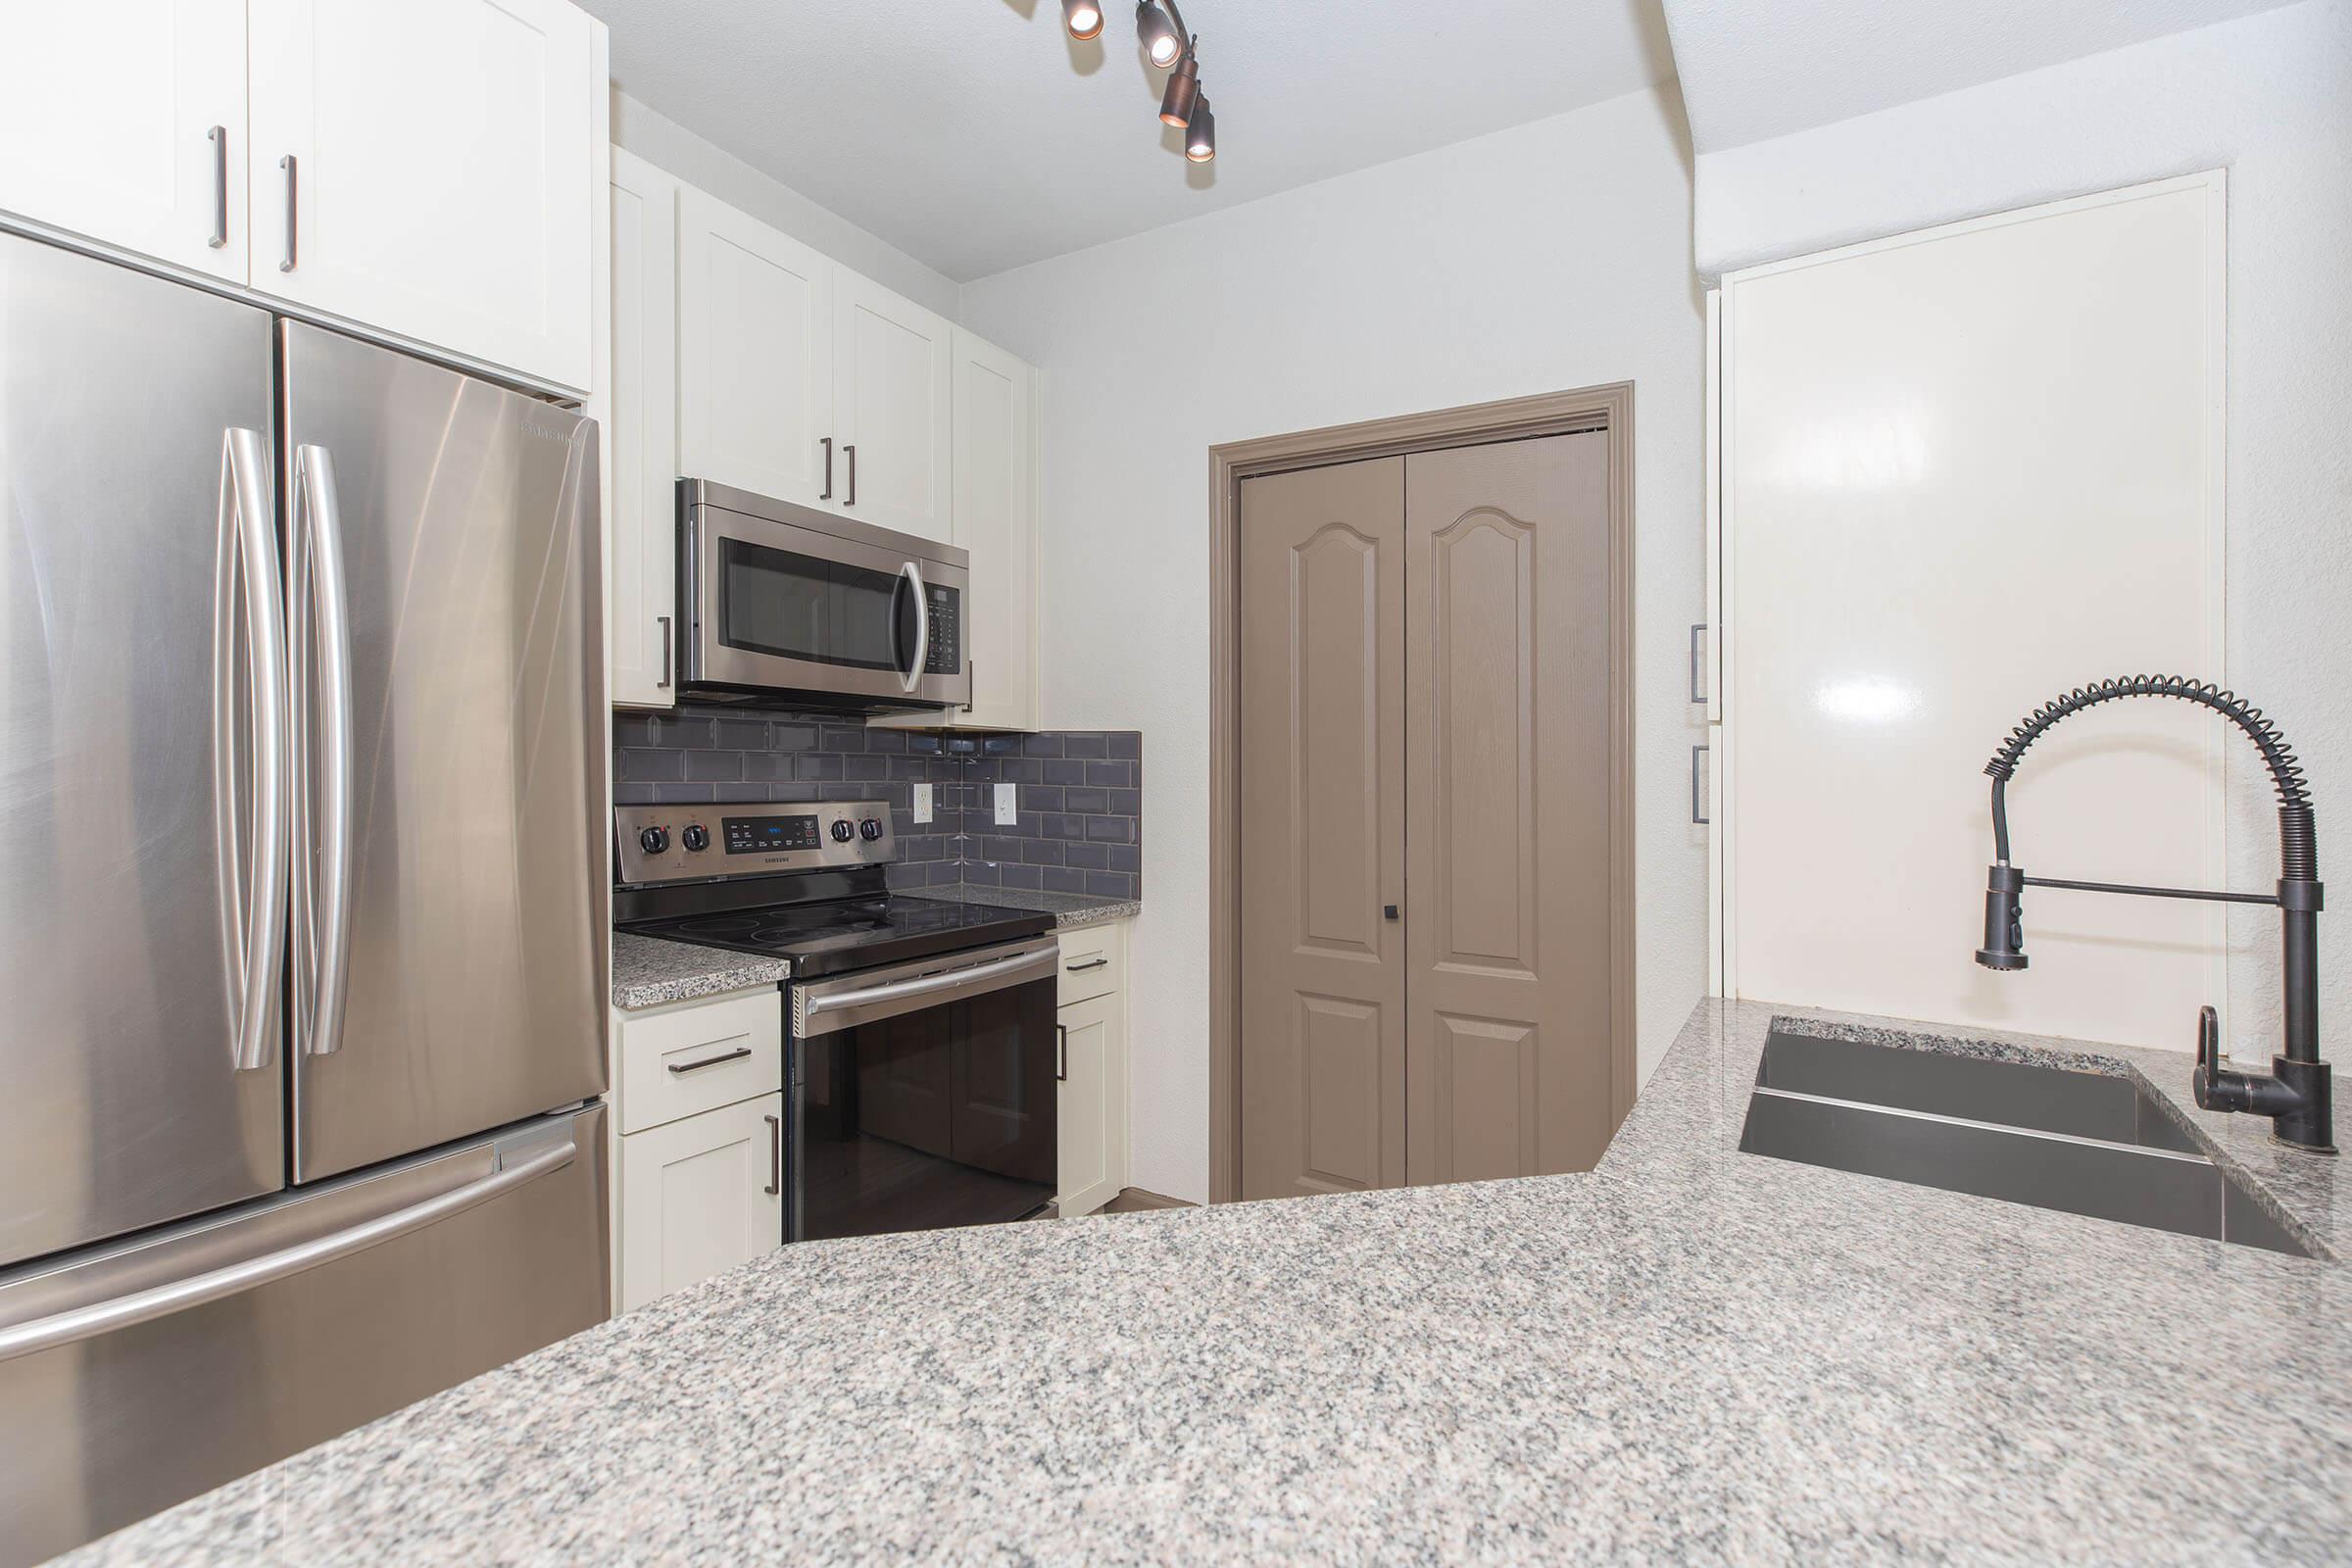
1067 909
1692 1356
648 971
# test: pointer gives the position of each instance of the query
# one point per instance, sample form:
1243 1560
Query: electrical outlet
923 802
1009 809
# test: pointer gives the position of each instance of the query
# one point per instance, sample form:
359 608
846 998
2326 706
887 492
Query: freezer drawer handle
710 1062
180 1296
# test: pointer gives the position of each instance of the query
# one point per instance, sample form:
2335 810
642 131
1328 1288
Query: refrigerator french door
301 918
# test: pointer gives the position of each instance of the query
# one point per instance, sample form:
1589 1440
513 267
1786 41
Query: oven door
789 601
923 1093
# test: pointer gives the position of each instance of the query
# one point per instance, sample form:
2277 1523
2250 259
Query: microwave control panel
703 840
946 655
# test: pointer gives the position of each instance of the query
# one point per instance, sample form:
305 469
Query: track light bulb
1200 136
1160 42
1184 88
1084 19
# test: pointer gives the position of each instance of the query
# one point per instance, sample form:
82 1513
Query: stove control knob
842 830
696 836
653 840
871 829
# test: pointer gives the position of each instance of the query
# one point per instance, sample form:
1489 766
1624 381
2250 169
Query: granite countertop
1691 1354
648 971
1067 909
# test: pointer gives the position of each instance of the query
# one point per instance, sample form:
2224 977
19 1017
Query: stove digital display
766 834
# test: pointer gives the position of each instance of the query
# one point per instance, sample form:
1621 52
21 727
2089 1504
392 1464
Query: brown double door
1426 934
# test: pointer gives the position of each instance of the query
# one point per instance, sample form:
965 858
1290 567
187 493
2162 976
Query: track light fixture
1161 39
1200 136
1159 28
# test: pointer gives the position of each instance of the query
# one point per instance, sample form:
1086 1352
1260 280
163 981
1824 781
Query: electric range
922 1057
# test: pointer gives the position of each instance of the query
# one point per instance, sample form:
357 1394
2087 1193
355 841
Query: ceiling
976 136
1752 69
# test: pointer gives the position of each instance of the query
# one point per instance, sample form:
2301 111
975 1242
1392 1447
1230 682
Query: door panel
106 1430
893 396
698 1197
476 928
443 170
644 432
1506 784
1322 832
124 149
127 795
995 523
755 357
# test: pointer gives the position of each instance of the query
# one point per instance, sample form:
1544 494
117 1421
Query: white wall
673 148
2268 98
1548 257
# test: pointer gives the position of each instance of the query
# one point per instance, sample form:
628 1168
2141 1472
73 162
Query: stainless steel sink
2079 1141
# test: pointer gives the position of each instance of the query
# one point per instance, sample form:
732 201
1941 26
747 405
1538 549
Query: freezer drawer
141 1373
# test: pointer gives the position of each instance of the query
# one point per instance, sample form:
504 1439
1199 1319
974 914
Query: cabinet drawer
1094 962
698 1055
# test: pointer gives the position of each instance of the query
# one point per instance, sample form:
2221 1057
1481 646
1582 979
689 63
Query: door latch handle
1388 911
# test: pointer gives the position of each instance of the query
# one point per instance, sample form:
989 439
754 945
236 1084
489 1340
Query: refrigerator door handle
326 883
253 885
88 1319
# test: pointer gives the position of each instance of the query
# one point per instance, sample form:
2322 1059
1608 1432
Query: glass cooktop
850 933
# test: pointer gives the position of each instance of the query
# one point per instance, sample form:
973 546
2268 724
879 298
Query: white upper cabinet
427 168
755 357
892 398
644 434
125 123
995 523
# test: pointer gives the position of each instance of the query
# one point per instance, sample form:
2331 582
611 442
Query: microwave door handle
912 676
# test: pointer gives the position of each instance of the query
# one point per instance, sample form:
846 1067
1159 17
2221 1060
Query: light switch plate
1008 809
923 802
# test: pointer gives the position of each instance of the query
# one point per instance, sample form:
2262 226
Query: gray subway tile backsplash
1080 815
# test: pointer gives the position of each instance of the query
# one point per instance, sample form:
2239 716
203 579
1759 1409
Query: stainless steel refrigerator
302 892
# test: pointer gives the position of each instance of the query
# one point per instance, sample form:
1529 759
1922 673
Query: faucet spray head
2004 918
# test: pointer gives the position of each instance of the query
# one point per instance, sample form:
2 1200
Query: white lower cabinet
1092 1106
699 1158
700 1195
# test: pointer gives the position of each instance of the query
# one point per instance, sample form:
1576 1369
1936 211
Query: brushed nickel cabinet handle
1698 685
292 212
709 1061
218 138
1697 818
776 1157
664 622
826 494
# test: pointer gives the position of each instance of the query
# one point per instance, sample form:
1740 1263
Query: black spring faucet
2295 1094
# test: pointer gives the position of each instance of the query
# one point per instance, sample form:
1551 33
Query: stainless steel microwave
784 604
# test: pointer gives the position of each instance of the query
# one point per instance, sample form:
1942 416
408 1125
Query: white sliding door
1964 472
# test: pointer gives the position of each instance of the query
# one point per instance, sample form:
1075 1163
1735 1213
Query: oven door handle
812 1005
912 676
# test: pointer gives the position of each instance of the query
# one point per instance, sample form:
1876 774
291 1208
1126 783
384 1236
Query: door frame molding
1608 407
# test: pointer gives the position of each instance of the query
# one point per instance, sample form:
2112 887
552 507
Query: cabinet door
645 431
125 120
699 1197
444 160
1093 1104
755 356
996 523
892 401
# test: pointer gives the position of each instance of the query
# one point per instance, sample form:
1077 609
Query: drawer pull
1096 962
710 1062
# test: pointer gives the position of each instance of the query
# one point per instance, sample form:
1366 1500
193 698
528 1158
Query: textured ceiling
1752 69
976 136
